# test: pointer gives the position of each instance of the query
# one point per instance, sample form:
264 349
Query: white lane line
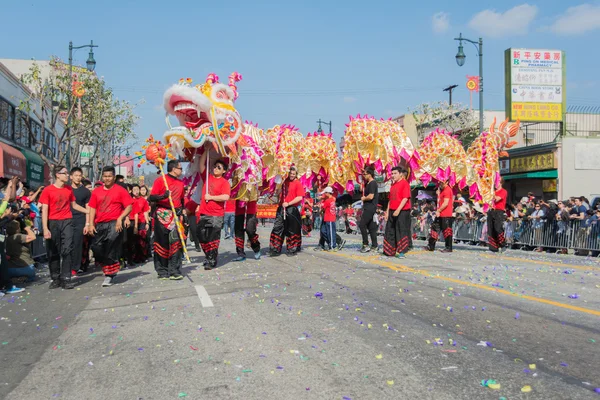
203 296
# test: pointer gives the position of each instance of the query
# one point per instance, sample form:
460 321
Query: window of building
7 112
36 130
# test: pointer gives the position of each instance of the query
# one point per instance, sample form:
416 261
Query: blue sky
305 60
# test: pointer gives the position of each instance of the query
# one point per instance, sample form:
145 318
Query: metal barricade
586 236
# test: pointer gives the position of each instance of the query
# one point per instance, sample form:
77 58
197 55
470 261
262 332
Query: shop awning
12 162
551 174
35 168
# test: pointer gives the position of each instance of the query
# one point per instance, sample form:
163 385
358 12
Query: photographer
7 194
18 255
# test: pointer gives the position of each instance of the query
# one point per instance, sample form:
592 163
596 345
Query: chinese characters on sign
536 162
536 111
535 82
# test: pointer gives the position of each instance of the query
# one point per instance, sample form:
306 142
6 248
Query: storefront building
532 169
18 141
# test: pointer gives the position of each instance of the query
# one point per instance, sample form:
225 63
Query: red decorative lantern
155 152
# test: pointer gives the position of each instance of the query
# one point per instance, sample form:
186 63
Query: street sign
535 84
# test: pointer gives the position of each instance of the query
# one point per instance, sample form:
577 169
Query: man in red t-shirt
57 221
109 205
495 220
328 231
140 214
245 213
443 219
287 223
396 239
167 242
215 193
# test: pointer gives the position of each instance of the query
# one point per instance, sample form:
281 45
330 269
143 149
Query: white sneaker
108 281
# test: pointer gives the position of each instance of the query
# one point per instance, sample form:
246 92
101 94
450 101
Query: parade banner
266 210
535 85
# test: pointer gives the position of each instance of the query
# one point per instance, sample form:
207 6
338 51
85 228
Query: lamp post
460 60
91 65
319 129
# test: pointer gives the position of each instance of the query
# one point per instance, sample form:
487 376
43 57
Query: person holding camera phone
57 222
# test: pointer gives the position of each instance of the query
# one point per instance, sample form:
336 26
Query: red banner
266 210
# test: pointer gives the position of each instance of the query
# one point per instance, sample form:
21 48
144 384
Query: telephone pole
449 89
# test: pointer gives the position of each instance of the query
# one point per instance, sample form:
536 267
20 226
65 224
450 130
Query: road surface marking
404 268
203 296
549 263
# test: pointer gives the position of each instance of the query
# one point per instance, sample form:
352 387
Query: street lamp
319 129
91 65
460 60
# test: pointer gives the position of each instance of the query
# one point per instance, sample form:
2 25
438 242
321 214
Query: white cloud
577 20
512 22
349 99
440 22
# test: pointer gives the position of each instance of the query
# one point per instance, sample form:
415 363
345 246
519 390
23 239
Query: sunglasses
218 166
179 168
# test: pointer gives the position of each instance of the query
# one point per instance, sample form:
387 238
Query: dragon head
503 135
204 112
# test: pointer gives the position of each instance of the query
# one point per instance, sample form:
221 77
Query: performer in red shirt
328 231
212 209
397 228
245 212
167 243
109 205
140 214
57 221
287 223
190 211
306 215
495 220
443 220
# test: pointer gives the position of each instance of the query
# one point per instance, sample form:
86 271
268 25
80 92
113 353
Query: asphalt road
315 326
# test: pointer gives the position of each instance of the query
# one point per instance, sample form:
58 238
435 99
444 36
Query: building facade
18 148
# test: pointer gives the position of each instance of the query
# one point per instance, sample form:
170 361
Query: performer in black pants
57 200
212 209
370 199
443 220
80 220
495 220
396 240
287 225
109 205
246 223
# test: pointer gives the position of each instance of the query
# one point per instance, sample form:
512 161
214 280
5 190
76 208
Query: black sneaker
208 267
55 284
427 248
67 284
445 251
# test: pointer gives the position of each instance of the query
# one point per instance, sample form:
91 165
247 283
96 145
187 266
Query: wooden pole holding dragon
157 154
